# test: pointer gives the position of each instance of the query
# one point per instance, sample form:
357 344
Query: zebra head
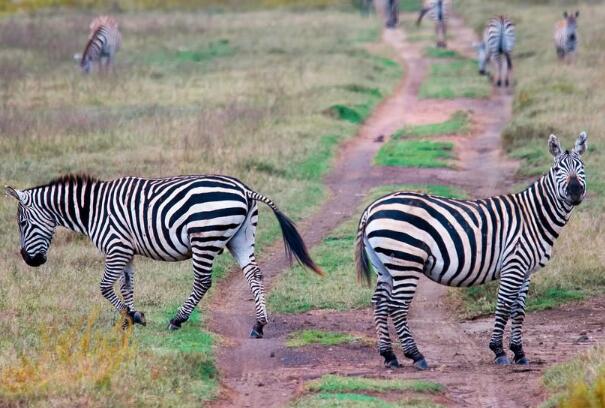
86 63
36 228
568 170
571 25
482 59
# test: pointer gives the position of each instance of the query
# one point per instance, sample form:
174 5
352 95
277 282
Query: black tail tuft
294 243
421 15
362 263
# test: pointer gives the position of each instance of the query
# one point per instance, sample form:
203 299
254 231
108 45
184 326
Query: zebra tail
509 60
421 15
362 263
293 242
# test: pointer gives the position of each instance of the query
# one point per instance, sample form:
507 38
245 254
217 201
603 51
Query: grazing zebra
566 36
497 45
438 10
103 43
466 243
166 219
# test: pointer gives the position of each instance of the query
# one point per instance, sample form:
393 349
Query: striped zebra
566 36
166 219
103 43
497 45
438 11
466 243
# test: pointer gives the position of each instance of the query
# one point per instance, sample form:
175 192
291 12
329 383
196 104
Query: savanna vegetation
249 94
564 99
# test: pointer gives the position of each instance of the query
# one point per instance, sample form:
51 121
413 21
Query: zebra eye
22 223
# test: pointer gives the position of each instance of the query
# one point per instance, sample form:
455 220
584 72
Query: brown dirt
265 373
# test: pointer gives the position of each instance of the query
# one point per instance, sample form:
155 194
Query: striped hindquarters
499 35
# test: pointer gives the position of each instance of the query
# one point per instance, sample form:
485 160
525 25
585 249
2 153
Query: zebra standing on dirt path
103 43
466 243
438 11
566 36
167 219
497 45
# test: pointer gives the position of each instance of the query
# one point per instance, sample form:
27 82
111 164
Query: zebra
566 36
465 243
438 10
497 45
103 43
167 219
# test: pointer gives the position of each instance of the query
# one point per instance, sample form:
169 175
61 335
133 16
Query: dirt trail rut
264 373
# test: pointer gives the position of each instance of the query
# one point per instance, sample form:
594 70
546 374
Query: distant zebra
103 43
438 11
498 43
566 36
166 219
466 243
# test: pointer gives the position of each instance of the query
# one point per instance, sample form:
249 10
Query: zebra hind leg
380 299
517 318
203 258
241 247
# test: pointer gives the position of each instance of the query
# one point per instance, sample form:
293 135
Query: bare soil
266 373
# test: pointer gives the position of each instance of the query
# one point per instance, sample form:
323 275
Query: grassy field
297 291
551 97
245 94
415 153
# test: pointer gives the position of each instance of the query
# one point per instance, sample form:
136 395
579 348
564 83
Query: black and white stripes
103 43
168 219
466 243
497 45
438 11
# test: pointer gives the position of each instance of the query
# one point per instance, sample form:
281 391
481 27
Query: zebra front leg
517 318
115 266
202 258
508 292
380 299
127 291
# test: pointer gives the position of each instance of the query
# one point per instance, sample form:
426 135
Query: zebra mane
71 178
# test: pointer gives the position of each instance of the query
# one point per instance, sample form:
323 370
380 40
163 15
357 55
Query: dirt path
265 373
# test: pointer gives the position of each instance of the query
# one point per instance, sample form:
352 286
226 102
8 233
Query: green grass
434 52
298 291
458 123
336 384
454 79
415 153
345 400
191 93
325 338
410 6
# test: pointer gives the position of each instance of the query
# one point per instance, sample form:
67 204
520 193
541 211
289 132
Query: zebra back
499 35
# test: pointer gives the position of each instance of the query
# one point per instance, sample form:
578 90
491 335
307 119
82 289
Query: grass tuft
347 400
434 52
415 153
326 338
458 123
454 79
337 383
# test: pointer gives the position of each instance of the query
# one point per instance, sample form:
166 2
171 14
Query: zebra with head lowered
497 46
438 11
466 243
566 36
103 43
166 219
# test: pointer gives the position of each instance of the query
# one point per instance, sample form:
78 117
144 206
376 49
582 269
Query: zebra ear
554 147
581 143
18 195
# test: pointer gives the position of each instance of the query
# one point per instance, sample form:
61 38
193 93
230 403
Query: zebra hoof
421 364
522 361
498 83
257 332
174 325
502 360
139 318
394 363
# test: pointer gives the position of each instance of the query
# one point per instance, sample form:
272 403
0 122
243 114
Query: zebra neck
70 203
541 203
